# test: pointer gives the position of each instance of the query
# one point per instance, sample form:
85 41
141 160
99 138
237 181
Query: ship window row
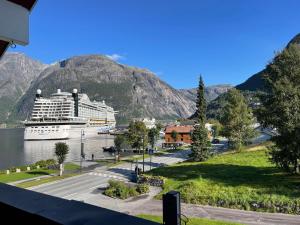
54 103
42 131
47 127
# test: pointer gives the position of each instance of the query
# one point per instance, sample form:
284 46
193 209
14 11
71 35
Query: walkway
154 207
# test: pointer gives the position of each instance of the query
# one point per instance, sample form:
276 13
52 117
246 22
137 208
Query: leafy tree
174 135
280 107
61 151
216 127
200 144
120 142
137 135
159 126
153 135
237 120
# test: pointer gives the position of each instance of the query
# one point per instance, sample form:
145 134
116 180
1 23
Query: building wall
181 137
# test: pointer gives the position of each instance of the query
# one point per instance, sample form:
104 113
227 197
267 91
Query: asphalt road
92 182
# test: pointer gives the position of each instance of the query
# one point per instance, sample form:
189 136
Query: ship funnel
75 97
38 93
58 91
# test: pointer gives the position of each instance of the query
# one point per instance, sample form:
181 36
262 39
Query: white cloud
116 57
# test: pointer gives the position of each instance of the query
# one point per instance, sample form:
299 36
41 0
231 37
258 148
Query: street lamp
143 154
81 148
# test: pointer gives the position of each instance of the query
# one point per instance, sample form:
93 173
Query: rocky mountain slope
17 71
132 91
211 92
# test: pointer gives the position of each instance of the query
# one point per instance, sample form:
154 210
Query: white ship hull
62 132
65 116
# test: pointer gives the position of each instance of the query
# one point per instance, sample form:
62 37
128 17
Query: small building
149 123
184 134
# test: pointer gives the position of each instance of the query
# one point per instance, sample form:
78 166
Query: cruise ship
67 115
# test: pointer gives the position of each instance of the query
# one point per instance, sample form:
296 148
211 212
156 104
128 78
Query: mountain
211 92
17 71
256 82
133 92
249 88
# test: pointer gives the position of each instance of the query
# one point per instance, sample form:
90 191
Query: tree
159 126
280 107
153 135
200 143
237 120
138 137
61 151
216 127
174 135
120 142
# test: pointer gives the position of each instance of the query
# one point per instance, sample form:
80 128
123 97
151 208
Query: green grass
71 166
245 180
12 177
7 178
192 221
36 182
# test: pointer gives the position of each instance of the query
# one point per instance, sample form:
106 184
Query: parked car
216 141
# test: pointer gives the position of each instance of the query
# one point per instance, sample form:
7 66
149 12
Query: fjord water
14 151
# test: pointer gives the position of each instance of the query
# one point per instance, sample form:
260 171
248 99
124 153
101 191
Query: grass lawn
245 180
71 166
12 177
36 182
6 178
192 221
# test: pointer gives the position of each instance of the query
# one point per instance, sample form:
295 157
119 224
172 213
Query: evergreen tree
280 107
237 119
200 144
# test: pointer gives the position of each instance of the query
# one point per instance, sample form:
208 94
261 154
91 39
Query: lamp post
143 154
81 148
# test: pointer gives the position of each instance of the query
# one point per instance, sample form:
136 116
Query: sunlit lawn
245 180
12 177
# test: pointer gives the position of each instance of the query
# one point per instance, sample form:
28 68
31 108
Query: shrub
46 163
157 181
118 189
142 188
13 169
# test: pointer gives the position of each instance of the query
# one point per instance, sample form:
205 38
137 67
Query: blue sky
225 41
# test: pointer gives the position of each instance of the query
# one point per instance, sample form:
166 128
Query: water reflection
14 151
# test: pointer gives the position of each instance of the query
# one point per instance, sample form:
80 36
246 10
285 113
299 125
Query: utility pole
143 154
81 149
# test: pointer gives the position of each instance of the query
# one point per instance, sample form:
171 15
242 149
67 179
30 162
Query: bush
157 181
13 169
46 163
118 189
142 188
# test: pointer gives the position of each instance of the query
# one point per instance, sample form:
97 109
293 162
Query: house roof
179 129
